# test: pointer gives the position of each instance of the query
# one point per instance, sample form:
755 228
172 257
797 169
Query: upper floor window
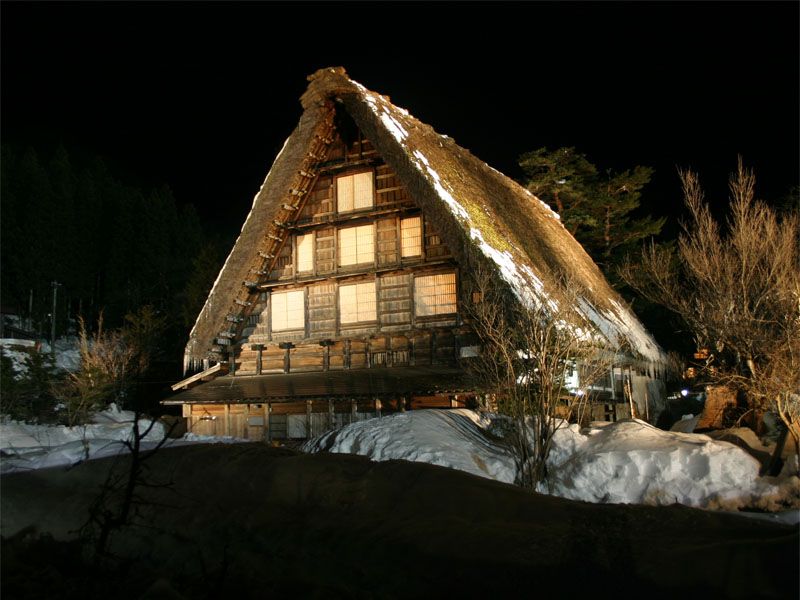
435 294
305 253
354 192
288 310
357 245
411 237
357 302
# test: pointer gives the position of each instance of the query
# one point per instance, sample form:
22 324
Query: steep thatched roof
478 211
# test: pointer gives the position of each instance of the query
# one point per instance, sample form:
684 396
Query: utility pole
55 285
30 311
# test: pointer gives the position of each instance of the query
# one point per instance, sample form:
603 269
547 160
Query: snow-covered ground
624 462
450 438
25 446
67 354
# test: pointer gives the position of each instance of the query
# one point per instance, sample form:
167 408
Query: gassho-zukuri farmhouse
344 295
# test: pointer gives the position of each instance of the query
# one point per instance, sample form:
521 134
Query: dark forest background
112 245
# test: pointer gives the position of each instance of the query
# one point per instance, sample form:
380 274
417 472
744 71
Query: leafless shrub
528 358
738 288
111 361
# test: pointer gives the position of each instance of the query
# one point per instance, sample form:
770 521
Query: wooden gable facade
354 278
360 277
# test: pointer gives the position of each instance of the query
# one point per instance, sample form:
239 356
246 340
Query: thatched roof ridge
478 211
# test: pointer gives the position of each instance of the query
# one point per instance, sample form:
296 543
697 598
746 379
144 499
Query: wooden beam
184 383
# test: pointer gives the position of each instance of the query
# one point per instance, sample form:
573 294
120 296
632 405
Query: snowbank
449 438
26 446
633 462
624 462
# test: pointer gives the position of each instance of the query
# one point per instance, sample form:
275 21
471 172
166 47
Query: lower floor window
435 294
357 302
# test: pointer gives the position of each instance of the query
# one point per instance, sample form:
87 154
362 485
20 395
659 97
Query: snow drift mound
633 462
624 462
450 438
26 446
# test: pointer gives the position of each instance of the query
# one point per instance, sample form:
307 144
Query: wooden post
347 353
388 345
287 347
259 357
331 414
402 403
353 410
433 347
232 358
613 386
309 432
326 354
265 432
378 408
269 425
227 419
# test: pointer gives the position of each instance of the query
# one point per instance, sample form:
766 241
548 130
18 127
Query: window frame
339 254
272 313
353 175
313 241
437 314
358 321
420 243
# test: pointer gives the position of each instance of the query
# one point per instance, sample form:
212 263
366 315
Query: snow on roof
521 235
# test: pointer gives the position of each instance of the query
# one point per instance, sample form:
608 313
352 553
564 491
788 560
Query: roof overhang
382 382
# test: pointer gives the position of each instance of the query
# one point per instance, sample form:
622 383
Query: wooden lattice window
305 253
411 237
357 245
357 302
354 192
435 294
288 310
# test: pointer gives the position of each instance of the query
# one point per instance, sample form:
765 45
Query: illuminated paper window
354 192
357 302
305 253
356 245
435 294
411 237
288 310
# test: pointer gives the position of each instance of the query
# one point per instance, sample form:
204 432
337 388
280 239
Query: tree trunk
773 468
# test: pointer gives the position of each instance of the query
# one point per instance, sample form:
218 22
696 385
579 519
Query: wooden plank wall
420 347
298 419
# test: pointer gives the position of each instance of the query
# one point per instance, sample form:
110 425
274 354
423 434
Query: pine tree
596 208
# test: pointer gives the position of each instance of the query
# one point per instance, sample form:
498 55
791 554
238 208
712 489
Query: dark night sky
201 96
